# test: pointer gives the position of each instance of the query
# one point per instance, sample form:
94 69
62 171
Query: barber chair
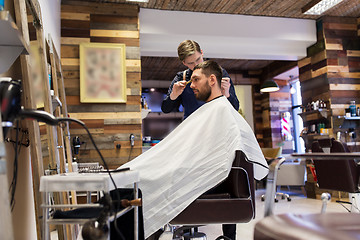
336 175
232 201
330 226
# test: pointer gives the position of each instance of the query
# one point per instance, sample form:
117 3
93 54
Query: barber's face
200 85
193 60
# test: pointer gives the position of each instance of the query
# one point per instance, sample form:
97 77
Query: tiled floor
298 204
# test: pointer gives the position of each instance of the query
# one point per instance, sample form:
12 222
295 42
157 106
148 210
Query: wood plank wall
331 70
273 104
258 118
110 124
268 107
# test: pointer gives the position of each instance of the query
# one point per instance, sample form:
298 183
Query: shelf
309 138
346 122
172 115
12 43
144 113
315 136
352 118
316 116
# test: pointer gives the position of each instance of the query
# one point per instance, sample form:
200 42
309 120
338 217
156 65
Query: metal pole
271 185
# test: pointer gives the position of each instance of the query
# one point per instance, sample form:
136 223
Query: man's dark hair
210 67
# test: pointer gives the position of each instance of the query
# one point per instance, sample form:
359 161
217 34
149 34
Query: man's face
192 60
200 85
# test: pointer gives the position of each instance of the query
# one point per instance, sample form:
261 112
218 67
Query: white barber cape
192 159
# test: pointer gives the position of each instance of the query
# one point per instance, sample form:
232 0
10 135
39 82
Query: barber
180 93
190 54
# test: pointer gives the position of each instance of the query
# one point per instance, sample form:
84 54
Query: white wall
23 214
226 35
244 94
50 10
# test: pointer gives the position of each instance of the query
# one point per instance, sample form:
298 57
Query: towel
193 158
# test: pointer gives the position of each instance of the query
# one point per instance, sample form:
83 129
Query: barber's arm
169 104
228 90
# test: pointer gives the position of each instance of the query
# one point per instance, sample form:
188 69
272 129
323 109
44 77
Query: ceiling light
269 86
142 1
317 7
292 89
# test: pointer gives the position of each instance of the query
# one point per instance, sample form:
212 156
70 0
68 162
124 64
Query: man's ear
212 80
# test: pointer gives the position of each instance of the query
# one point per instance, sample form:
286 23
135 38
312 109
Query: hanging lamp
269 86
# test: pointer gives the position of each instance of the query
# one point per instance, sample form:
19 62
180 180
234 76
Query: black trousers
229 230
123 227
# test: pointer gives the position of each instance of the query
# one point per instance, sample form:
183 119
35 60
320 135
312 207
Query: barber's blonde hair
187 48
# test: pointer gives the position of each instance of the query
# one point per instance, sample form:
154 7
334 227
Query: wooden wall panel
246 78
331 71
258 119
343 61
278 102
110 124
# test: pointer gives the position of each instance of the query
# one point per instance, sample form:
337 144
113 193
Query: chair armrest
215 196
238 183
271 185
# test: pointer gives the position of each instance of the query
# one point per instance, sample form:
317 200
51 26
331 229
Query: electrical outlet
132 140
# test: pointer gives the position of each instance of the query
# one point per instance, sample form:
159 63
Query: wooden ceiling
271 8
165 68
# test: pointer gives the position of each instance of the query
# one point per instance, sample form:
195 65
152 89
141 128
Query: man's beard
204 95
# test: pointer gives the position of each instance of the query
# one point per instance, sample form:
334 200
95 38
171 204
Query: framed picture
36 77
102 73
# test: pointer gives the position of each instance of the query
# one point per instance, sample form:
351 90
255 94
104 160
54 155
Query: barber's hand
225 86
177 89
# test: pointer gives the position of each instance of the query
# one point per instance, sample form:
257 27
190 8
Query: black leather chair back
338 175
232 201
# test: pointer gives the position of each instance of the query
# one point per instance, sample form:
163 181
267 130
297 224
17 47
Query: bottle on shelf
313 107
308 107
142 102
145 104
338 136
352 109
347 112
322 104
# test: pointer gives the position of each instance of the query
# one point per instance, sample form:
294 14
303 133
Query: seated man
197 155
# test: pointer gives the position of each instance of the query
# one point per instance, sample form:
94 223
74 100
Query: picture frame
37 86
102 73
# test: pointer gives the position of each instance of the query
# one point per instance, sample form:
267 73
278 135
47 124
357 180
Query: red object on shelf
313 172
